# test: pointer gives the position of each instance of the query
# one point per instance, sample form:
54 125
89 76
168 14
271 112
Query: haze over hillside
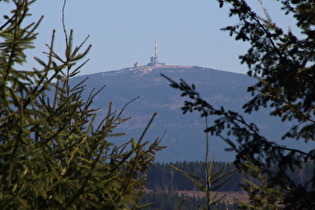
184 134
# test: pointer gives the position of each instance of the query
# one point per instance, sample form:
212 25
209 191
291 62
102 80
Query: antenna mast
156 48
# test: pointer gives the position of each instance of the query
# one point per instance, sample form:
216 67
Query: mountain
182 134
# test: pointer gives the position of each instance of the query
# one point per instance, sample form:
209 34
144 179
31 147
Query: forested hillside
167 187
162 177
184 135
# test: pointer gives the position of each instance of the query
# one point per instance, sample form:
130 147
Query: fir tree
283 64
52 154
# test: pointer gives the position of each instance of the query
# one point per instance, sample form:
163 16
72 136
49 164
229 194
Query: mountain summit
184 134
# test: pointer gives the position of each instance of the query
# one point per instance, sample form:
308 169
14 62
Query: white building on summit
154 60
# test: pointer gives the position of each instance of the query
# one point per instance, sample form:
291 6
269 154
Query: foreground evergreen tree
283 63
214 179
52 155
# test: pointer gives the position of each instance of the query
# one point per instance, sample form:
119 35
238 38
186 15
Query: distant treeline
172 201
162 177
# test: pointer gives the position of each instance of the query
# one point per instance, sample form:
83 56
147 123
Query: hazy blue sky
123 32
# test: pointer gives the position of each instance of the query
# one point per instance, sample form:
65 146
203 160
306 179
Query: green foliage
283 64
261 195
51 153
214 180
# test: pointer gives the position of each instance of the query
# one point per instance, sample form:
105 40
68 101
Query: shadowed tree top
283 64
